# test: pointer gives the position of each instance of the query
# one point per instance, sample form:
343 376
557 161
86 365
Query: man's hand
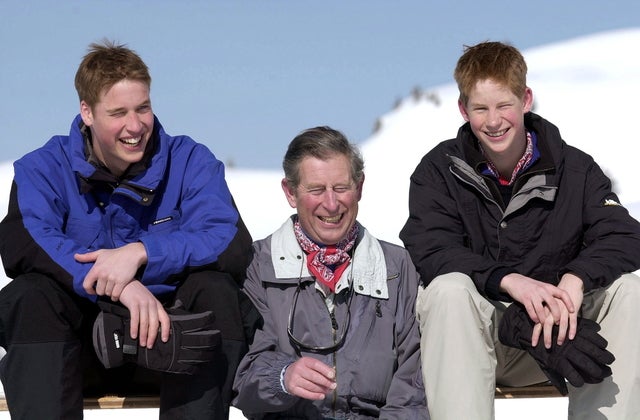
147 314
309 378
568 323
112 269
585 358
546 304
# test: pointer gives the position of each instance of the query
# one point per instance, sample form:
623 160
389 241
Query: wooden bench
153 401
533 391
111 402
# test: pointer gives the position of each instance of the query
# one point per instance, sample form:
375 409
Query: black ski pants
50 363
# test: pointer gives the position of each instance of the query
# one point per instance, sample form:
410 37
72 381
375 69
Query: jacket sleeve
208 221
611 236
32 233
406 396
257 380
434 233
236 257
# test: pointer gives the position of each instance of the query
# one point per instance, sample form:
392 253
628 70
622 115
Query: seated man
117 211
339 338
508 213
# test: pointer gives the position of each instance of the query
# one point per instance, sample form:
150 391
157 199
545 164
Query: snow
586 86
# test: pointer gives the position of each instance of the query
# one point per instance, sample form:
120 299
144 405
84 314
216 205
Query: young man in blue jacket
508 214
118 211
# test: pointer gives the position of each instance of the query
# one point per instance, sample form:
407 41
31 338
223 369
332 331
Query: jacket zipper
334 328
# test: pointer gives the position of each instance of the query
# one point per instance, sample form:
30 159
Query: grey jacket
378 364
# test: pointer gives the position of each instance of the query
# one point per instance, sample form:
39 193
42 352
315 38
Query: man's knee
450 286
452 293
34 308
217 292
626 291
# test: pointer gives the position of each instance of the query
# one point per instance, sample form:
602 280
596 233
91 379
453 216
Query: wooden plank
533 391
115 401
153 401
111 402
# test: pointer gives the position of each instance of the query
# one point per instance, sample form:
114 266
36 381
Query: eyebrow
120 109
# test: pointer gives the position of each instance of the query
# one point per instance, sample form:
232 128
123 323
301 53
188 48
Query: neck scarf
525 161
326 262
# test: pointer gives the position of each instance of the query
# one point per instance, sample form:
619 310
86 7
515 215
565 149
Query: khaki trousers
462 358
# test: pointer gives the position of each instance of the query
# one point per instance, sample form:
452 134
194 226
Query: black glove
192 340
583 359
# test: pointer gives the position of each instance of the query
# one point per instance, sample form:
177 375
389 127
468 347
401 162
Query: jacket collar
367 269
548 137
143 178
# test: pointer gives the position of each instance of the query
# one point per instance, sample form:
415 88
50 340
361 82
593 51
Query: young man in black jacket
507 215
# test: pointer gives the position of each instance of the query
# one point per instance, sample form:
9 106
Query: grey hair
321 143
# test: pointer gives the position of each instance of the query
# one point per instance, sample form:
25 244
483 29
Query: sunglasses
337 343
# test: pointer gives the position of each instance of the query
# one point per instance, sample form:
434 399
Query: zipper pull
334 323
378 310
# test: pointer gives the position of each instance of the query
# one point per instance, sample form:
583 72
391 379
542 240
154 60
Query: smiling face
326 198
121 124
496 116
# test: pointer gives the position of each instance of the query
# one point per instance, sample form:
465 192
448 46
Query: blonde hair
105 65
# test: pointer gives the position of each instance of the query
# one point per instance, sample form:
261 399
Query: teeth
497 133
132 141
334 219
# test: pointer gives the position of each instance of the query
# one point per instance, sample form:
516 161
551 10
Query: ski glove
192 340
583 359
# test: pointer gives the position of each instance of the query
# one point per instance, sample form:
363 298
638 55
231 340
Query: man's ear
360 187
527 100
86 113
463 110
289 193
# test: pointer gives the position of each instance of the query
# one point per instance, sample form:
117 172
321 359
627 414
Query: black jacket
562 217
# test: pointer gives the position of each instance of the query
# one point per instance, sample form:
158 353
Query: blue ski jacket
177 204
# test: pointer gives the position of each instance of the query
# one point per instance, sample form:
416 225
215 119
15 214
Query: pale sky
244 77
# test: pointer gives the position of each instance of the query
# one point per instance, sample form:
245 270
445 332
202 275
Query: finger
309 389
548 331
143 325
531 311
116 291
535 335
135 319
165 324
553 309
108 288
563 329
302 392
86 257
100 287
88 284
573 325
154 325
540 311
327 372
564 296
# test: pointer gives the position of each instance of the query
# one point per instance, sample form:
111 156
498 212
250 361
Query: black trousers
50 363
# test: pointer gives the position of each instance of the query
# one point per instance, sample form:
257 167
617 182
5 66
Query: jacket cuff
492 287
282 385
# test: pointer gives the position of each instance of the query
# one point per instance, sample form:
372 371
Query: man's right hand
309 378
547 305
147 314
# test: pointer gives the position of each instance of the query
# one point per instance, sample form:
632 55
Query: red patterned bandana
326 263
522 164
